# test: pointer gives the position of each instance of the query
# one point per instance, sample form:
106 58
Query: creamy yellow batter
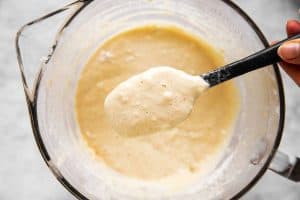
189 147
155 100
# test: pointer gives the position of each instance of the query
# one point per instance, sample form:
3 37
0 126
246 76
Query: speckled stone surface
23 174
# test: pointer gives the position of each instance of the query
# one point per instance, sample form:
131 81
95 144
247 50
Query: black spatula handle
255 61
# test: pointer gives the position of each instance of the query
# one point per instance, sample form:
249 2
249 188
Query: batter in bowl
193 146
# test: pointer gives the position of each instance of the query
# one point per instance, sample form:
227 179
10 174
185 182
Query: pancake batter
175 153
168 97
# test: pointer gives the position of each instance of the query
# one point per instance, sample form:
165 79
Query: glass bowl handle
77 6
286 166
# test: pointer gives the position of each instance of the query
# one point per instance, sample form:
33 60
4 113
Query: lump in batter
154 100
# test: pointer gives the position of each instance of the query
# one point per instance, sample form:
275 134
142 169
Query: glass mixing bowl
257 132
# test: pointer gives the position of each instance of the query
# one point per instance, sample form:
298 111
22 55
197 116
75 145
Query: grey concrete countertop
23 174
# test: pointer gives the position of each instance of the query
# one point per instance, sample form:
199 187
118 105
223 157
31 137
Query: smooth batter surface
152 101
174 154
